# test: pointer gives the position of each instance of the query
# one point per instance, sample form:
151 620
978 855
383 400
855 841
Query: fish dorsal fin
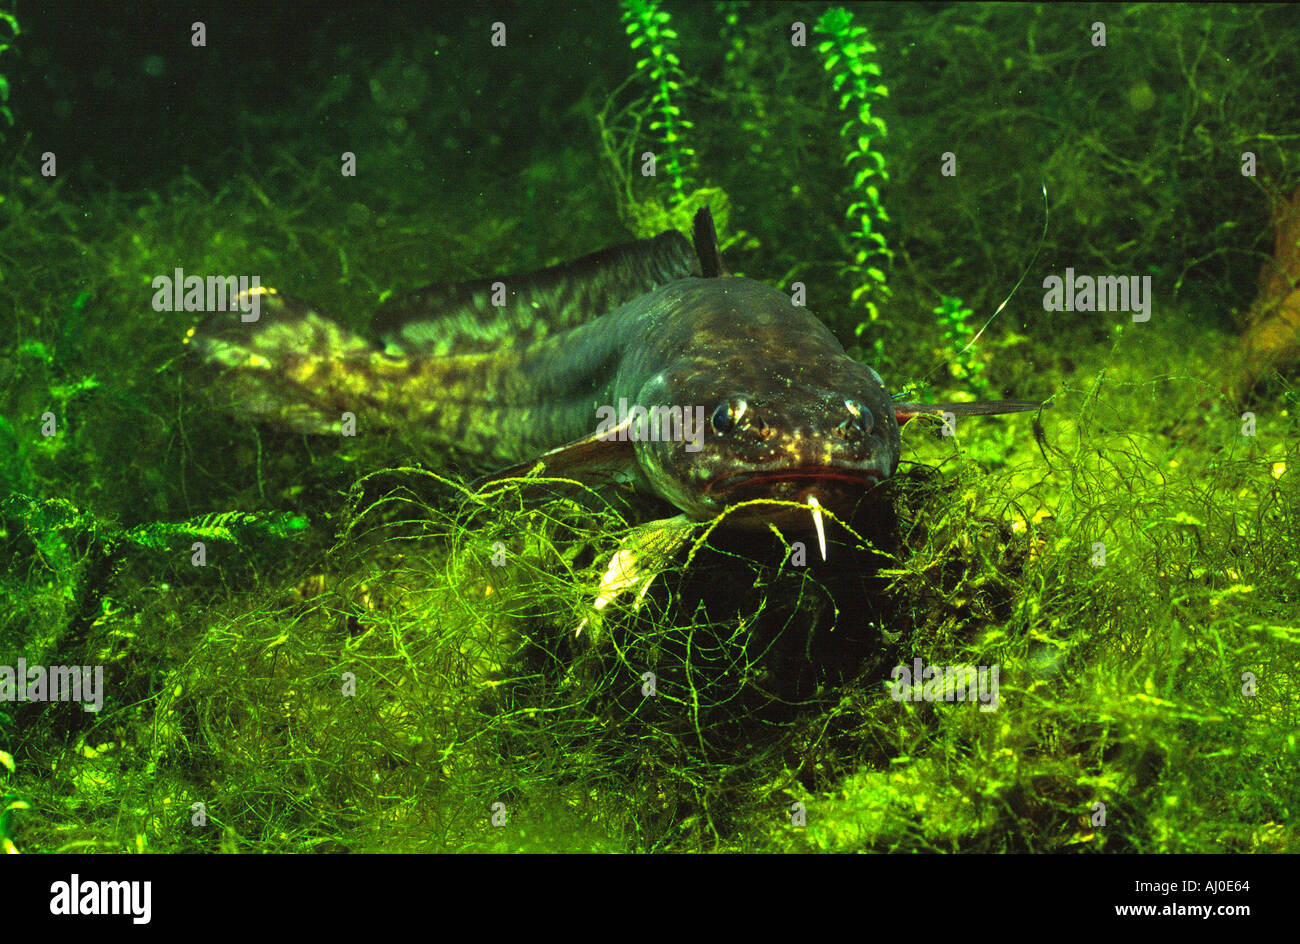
501 311
906 411
705 237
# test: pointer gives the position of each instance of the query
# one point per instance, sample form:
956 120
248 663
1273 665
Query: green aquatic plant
656 116
61 554
650 27
10 803
954 320
9 23
855 76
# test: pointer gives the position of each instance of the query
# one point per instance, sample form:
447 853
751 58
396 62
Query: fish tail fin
288 365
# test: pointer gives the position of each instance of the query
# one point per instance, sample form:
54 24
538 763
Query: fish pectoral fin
607 455
906 411
642 556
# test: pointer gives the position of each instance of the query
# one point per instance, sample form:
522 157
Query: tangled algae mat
386 691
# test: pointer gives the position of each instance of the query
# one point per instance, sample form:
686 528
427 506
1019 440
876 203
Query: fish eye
727 414
722 420
860 418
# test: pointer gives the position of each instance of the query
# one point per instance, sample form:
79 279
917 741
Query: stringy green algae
1116 681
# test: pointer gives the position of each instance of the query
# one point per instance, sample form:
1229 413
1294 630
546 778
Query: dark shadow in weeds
739 671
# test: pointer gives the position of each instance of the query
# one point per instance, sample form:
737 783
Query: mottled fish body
492 384
766 402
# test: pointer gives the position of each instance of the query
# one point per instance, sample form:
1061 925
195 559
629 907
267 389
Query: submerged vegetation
648 26
374 656
849 57
9 31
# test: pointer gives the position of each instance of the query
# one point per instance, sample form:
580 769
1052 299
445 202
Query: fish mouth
835 489
775 481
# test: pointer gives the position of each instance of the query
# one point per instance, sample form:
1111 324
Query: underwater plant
658 111
10 803
9 22
954 318
662 70
856 78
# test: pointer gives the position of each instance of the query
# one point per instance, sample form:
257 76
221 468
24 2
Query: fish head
769 428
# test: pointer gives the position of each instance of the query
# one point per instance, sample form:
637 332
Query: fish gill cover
344 643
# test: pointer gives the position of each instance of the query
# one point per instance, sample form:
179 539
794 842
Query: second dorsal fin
705 237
